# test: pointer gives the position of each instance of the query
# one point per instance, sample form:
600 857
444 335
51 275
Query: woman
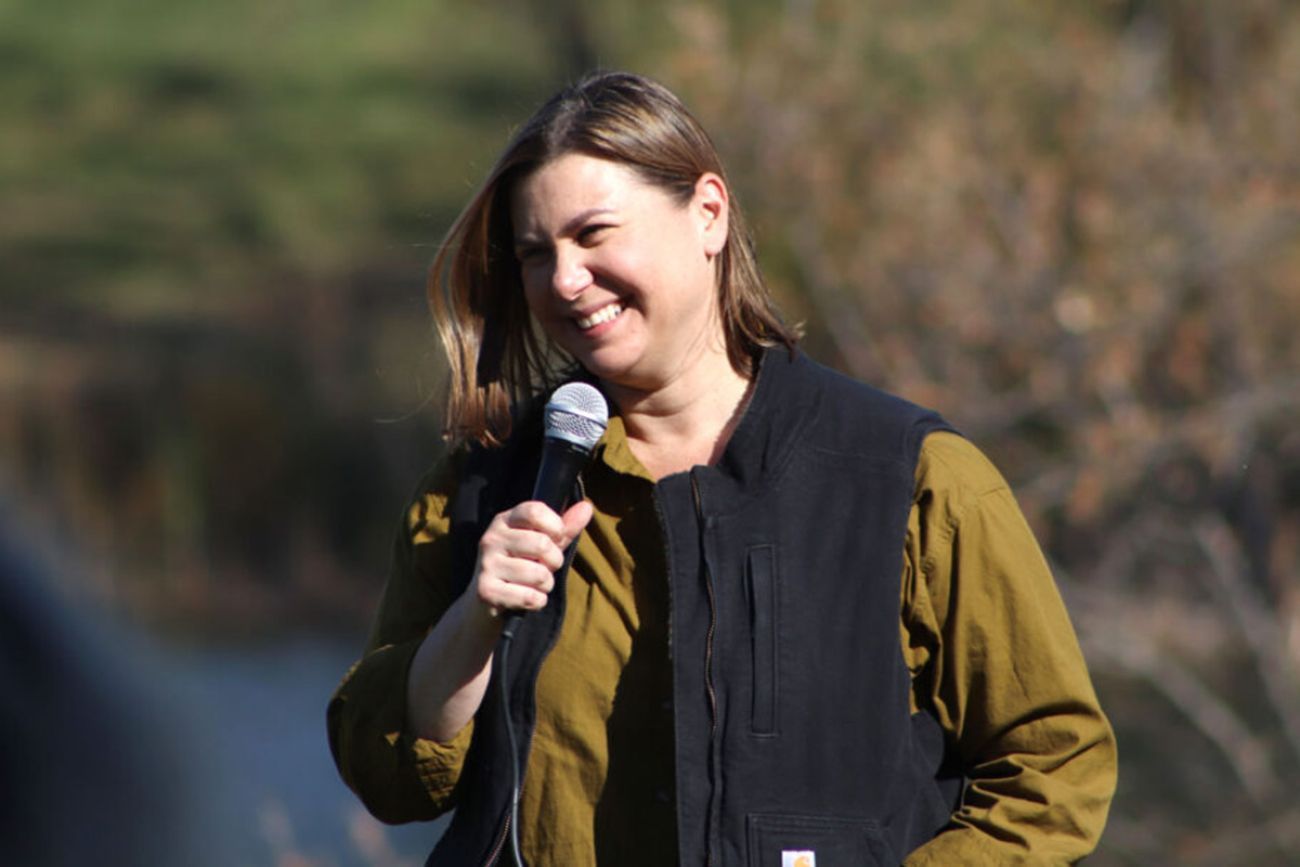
804 619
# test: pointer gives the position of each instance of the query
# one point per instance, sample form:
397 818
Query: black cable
507 638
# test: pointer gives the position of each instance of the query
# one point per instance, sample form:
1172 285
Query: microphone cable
513 619
508 639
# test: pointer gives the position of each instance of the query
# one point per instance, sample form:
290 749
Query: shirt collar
615 452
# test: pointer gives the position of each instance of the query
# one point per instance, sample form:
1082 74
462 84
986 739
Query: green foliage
199 146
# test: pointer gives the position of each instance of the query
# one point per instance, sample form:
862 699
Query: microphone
575 419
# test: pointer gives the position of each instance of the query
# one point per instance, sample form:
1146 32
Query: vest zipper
708 674
500 843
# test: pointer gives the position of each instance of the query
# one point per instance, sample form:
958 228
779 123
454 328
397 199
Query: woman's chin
611 371
607 363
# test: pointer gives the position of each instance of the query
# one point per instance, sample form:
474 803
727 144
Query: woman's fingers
531 545
515 571
520 552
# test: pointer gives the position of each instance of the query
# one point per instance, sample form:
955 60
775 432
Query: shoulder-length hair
497 358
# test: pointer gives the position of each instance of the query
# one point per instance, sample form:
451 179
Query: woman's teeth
604 314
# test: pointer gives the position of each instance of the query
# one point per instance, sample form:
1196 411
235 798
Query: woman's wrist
451 669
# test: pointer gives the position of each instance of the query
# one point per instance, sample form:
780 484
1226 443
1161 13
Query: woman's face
619 273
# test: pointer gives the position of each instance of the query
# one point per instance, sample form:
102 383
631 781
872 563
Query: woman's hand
519 553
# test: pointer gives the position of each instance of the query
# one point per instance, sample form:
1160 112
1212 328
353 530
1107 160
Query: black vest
791 698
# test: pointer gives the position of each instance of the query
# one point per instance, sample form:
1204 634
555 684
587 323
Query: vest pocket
761 585
814 841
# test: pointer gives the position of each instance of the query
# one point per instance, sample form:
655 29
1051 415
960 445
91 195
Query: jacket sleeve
993 656
400 778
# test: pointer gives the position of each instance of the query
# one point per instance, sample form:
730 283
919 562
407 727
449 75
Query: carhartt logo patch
800 858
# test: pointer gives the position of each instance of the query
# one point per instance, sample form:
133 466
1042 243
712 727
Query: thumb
576 517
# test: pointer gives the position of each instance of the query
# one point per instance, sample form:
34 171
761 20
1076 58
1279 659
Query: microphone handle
558 473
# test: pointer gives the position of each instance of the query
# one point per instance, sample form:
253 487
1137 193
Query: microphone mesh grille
577 413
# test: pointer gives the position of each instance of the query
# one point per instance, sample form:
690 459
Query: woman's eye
528 255
592 234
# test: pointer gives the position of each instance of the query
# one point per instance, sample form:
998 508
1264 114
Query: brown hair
496 356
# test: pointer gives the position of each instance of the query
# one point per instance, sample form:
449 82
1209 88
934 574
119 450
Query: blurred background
1072 228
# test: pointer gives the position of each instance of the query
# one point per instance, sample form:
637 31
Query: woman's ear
711 205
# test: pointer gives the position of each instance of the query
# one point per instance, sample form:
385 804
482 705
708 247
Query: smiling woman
622 276
791 616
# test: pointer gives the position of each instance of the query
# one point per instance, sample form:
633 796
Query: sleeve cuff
439 764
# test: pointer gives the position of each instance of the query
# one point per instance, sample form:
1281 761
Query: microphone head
576 413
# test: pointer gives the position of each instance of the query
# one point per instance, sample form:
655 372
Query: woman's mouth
604 314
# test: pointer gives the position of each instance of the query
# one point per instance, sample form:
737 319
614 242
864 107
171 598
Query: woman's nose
571 275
